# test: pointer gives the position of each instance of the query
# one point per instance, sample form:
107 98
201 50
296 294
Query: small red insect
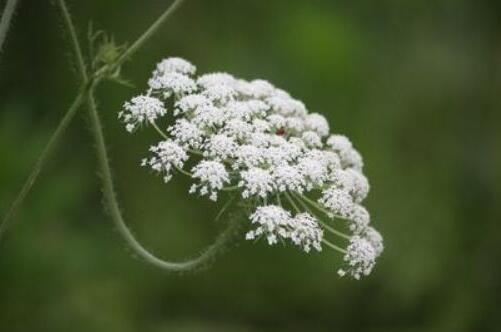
280 132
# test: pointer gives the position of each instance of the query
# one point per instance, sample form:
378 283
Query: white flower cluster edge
254 137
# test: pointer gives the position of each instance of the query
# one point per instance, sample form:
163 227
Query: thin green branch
231 188
320 208
46 153
149 33
225 207
188 174
74 40
279 201
333 246
160 132
195 152
141 40
5 20
287 195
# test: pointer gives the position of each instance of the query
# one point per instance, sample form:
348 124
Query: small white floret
212 176
174 64
141 110
360 258
256 182
166 155
272 221
338 202
306 233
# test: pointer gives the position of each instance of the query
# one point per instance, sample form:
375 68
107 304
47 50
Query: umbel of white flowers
254 138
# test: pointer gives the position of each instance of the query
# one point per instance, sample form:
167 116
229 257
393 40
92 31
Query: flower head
255 138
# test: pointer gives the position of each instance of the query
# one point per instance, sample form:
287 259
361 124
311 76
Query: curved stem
116 215
61 128
7 14
74 39
103 162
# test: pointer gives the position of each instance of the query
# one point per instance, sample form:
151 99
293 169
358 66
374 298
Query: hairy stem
74 39
46 153
7 13
116 215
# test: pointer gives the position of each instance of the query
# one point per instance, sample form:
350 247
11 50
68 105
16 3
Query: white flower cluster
253 137
276 224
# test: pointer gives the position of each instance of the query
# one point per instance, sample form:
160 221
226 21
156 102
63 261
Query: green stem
287 195
195 152
225 207
74 40
232 188
333 246
279 201
320 208
7 14
150 32
184 172
160 132
46 153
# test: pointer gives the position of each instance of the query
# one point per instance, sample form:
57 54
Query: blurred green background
416 85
